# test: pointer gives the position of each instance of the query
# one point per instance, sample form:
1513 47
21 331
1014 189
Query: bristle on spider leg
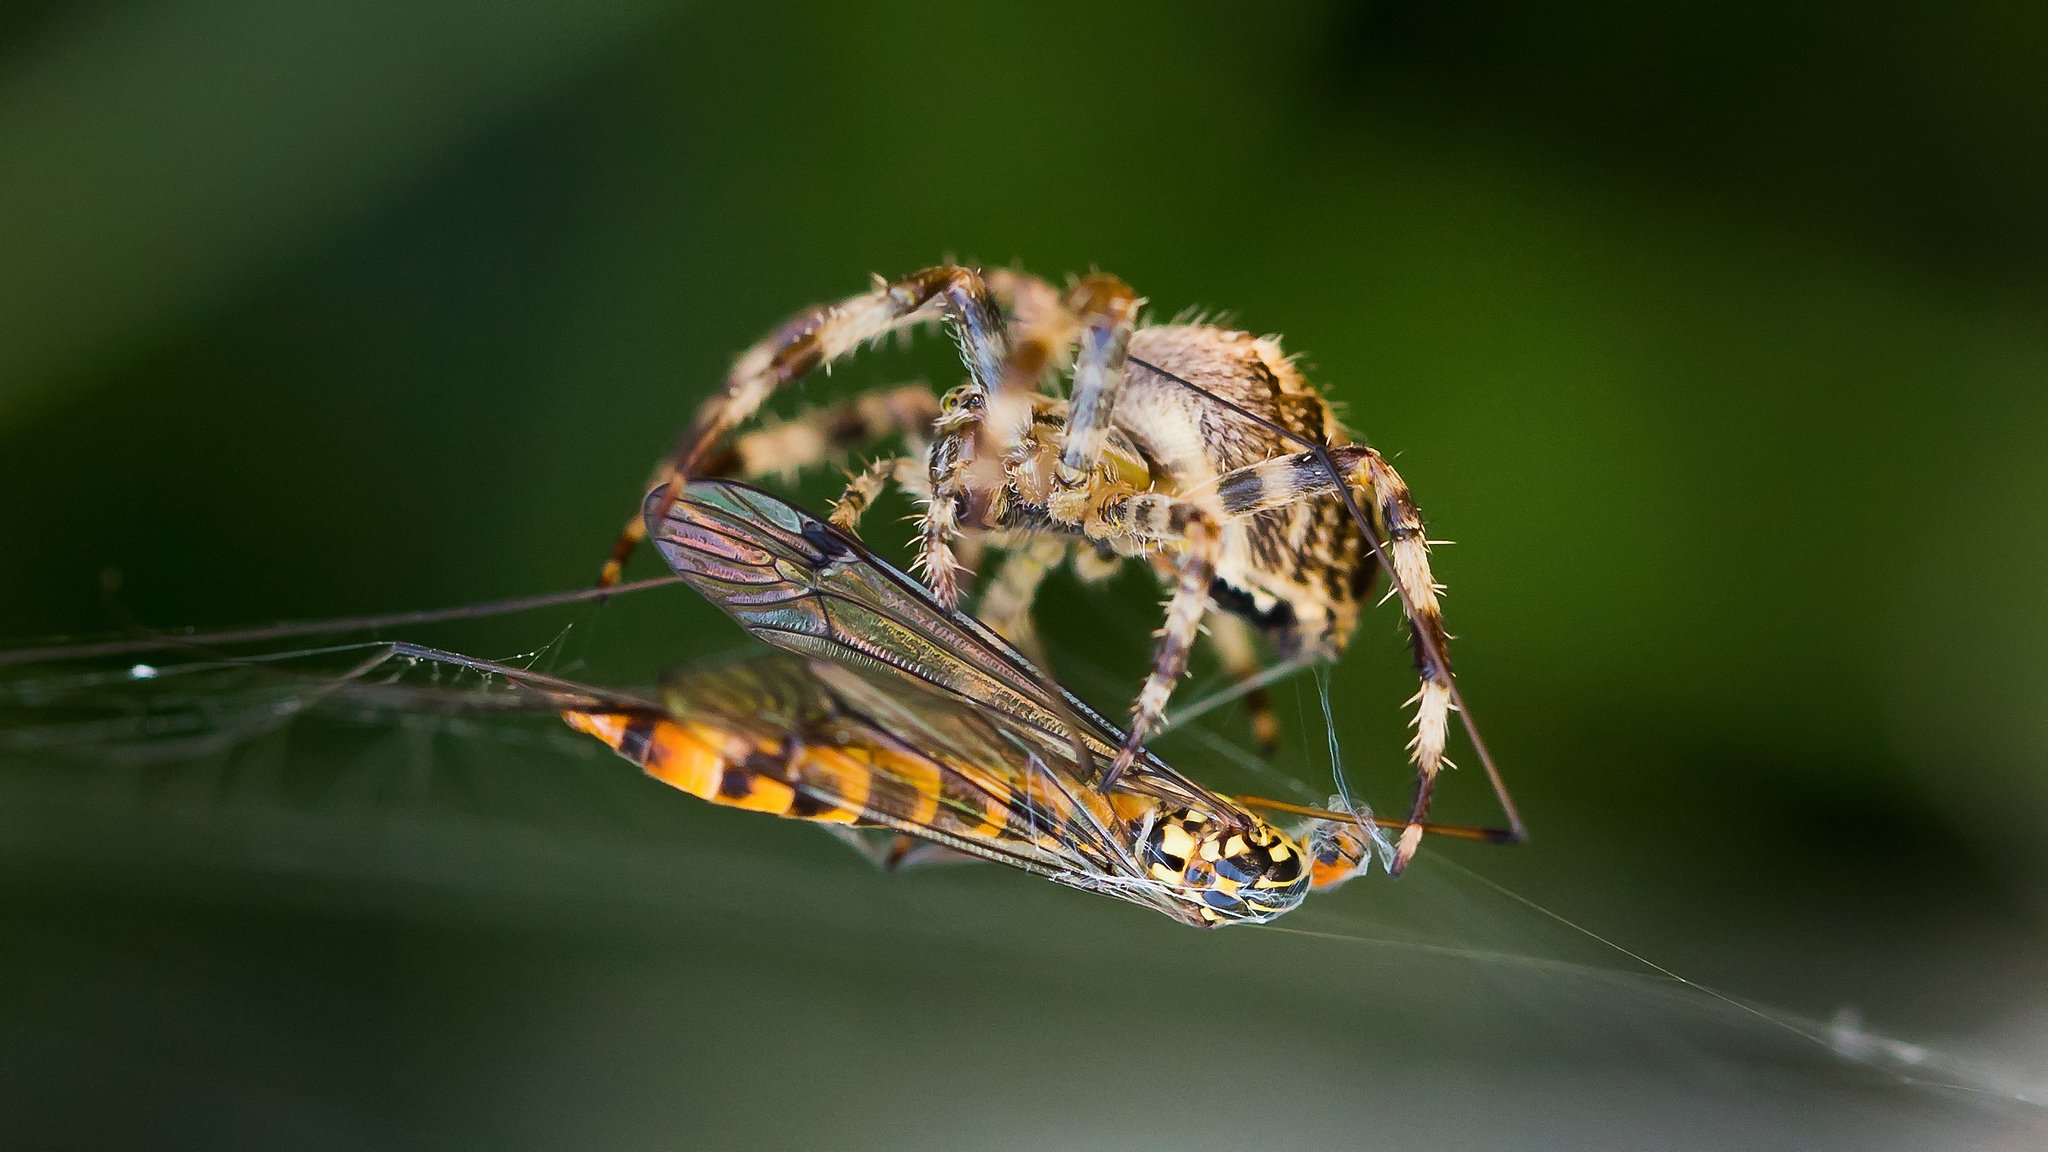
1430 643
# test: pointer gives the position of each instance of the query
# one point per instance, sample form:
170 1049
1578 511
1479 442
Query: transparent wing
948 773
805 587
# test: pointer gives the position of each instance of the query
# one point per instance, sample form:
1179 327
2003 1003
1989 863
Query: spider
1200 450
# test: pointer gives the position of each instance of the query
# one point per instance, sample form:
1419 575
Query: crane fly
918 720
913 731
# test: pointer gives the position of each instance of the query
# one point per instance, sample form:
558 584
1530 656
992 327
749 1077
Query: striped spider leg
1393 531
1211 413
822 335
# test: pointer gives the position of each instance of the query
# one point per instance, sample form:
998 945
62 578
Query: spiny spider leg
1429 643
1154 517
864 486
1106 310
1278 483
825 334
823 435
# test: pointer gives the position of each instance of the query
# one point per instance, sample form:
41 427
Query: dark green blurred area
1713 334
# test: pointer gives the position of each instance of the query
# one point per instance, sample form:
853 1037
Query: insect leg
1276 483
893 852
907 852
821 335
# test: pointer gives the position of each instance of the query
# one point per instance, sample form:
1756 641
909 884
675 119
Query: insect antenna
1518 831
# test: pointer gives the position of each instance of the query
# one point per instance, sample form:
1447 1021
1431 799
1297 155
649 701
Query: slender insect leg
821 335
1106 309
893 852
1238 649
1153 517
907 852
1284 480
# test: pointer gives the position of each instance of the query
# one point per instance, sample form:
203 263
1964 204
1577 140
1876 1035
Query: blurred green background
1713 334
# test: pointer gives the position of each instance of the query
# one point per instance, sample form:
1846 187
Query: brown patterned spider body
1200 450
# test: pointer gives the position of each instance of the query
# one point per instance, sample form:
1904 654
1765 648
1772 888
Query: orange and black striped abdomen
782 778
842 780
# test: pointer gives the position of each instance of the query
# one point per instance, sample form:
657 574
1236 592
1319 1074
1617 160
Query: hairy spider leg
1152 518
822 335
867 484
1106 311
823 434
831 432
1285 480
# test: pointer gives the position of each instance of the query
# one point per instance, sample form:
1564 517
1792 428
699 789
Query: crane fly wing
801 586
805 587
861 753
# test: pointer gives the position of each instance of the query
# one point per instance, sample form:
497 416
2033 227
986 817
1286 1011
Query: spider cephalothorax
1083 433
